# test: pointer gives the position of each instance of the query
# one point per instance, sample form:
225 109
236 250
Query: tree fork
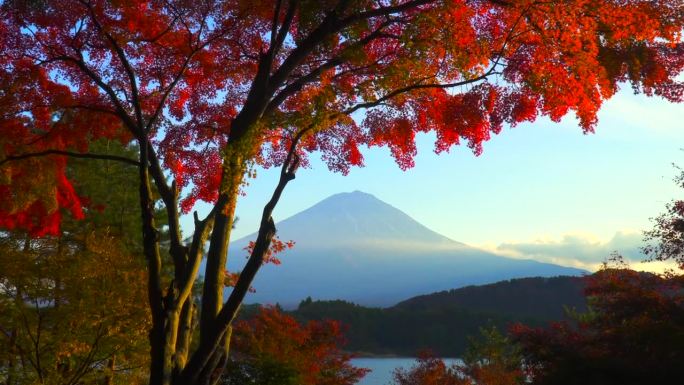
220 328
210 375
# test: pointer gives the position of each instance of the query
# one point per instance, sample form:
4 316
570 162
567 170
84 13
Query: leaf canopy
195 78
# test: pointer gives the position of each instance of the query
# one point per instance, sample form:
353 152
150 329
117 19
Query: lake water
382 368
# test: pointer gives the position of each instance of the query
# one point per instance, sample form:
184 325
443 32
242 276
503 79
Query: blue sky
542 190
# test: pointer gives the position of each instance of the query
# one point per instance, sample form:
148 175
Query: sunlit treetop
198 81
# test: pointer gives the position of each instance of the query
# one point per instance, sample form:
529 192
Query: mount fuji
355 247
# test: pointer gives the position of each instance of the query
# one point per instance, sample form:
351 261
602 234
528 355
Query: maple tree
633 333
665 242
210 90
273 348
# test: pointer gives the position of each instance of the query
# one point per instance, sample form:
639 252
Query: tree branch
416 86
124 62
274 28
284 28
167 92
117 158
267 230
121 111
201 233
315 73
384 11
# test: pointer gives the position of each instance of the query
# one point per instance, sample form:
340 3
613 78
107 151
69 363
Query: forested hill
538 298
443 321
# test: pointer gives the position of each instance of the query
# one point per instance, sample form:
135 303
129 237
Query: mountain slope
355 247
537 298
358 219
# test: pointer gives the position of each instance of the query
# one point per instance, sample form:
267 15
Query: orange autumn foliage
273 348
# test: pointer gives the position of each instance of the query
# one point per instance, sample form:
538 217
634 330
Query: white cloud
639 114
584 251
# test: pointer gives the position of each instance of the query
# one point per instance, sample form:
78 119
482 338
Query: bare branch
274 28
124 61
70 154
384 11
417 86
284 28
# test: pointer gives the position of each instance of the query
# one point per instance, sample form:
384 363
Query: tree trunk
109 377
153 258
208 371
217 256
11 361
173 311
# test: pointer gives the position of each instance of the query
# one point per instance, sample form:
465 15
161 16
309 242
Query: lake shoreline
389 355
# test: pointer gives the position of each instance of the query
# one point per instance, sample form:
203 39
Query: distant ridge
537 298
355 247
